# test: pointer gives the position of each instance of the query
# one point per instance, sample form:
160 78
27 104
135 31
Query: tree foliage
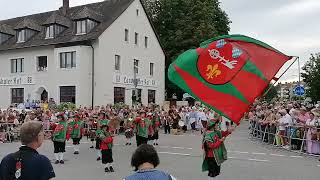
271 93
311 76
184 24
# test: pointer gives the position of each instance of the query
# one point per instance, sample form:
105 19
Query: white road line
255 153
259 160
178 147
240 152
279 155
189 148
318 165
181 154
68 146
296 156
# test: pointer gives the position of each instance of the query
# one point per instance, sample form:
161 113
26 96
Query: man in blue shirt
27 163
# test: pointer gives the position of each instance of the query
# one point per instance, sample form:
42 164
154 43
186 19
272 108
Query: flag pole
297 58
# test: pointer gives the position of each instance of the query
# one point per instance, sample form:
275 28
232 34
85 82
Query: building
90 55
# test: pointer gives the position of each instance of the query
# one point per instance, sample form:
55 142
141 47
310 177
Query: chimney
65 7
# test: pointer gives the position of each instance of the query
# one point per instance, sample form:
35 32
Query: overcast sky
288 25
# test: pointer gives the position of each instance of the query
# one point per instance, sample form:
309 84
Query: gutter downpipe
92 77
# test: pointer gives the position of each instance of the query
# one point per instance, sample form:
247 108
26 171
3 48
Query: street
182 157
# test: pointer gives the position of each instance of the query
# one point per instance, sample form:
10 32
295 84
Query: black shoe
57 162
127 144
157 144
106 169
99 158
111 169
154 144
76 152
61 161
91 147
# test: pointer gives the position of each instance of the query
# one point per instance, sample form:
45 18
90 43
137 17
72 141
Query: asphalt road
182 157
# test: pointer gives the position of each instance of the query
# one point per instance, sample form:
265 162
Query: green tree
311 76
271 93
184 24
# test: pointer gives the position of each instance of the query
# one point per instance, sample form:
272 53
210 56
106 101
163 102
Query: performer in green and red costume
155 125
61 133
142 125
215 152
106 145
77 132
102 120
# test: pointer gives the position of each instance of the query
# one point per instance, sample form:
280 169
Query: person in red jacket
106 148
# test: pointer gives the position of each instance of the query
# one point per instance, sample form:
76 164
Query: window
126 35
42 63
136 35
4 37
146 42
68 60
24 35
85 26
117 63
50 32
137 11
68 94
17 65
119 95
151 96
151 69
81 27
136 66
21 36
136 95
17 95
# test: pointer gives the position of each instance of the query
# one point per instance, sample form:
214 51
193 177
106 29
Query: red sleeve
108 140
225 133
215 145
137 120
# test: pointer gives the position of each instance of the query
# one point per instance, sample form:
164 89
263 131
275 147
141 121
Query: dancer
156 125
60 135
215 152
77 131
106 148
129 130
142 128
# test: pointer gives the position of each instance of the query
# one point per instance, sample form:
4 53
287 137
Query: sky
288 25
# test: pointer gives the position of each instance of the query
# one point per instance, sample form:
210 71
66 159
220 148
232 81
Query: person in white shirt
284 122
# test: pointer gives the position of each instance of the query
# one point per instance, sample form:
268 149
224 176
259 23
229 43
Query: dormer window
53 30
24 35
4 37
85 26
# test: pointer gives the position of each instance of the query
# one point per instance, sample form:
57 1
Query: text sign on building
16 80
128 80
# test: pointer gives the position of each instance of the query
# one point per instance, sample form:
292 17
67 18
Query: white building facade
88 70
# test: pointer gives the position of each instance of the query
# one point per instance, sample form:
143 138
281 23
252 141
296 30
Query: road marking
181 154
68 146
240 152
296 156
259 160
255 153
279 155
178 147
318 165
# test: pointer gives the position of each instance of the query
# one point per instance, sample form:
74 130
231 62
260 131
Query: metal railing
291 138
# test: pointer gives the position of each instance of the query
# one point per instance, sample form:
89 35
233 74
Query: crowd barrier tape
271 132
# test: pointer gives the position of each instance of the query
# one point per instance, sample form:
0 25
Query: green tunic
143 127
103 135
104 122
76 128
220 154
60 132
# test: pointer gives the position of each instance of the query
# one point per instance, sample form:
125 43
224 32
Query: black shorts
76 141
214 169
98 142
141 140
155 135
106 156
59 147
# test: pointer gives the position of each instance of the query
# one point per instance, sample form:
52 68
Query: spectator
313 146
27 163
145 160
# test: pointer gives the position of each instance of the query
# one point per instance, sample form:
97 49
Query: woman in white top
313 147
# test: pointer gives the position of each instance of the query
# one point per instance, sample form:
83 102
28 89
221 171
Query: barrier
292 138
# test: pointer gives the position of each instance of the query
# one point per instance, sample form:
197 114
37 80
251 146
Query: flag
227 73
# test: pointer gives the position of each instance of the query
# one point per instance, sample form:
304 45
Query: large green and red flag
227 73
